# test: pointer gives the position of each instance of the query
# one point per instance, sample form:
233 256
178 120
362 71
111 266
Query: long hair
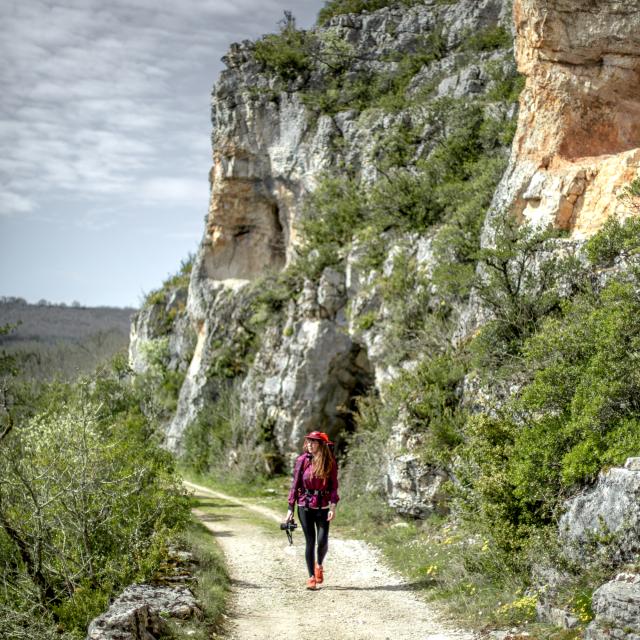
323 463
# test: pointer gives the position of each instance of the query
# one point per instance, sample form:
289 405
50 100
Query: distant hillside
61 341
53 322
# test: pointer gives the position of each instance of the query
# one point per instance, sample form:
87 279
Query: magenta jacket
304 479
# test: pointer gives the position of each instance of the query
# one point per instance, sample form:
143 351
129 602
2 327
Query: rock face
577 144
218 313
616 605
578 137
269 152
601 522
140 612
306 372
165 319
611 507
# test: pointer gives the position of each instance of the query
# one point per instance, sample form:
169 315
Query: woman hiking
315 489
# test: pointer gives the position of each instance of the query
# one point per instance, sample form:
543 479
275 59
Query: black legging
312 519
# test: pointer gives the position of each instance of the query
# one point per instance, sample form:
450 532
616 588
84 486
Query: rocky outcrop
610 511
219 313
578 138
414 488
269 151
140 613
616 605
308 370
600 525
163 318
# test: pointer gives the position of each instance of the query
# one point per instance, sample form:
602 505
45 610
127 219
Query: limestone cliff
269 151
403 139
577 143
578 137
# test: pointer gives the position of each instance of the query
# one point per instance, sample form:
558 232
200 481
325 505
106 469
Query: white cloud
14 203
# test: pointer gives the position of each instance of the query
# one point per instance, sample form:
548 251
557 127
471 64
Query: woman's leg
309 527
323 534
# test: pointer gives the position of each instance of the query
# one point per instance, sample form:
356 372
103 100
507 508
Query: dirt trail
360 598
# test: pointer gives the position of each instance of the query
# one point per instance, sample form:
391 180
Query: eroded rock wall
578 138
577 144
269 152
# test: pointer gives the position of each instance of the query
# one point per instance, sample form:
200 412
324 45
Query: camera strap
289 536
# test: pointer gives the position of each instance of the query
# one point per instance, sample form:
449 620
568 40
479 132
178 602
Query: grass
210 587
223 510
266 492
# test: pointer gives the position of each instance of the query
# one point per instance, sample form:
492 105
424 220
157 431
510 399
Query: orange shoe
319 574
311 583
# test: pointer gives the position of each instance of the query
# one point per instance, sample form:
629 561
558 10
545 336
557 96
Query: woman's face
313 446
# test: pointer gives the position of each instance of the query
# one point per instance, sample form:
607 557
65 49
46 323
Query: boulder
610 508
616 605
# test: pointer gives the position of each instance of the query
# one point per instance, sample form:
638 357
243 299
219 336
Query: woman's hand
332 512
289 516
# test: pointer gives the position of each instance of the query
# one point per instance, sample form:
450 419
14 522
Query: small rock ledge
140 613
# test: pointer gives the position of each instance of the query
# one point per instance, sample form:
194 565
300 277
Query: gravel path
360 598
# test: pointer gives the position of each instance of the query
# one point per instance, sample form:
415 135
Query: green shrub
177 280
489 39
233 355
88 499
30 622
453 185
578 414
405 293
159 383
520 285
507 82
405 199
428 396
345 89
331 214
218 443
630 196
389 90
182 276
457 242
285 53
207 438
155 297
398 146
615 239
362 476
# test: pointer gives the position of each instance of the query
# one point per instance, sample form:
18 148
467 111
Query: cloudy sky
105 136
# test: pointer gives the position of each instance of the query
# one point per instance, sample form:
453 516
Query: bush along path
360 597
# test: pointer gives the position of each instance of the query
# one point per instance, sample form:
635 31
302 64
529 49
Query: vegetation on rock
333 8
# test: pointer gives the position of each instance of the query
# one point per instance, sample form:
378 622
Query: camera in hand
288 527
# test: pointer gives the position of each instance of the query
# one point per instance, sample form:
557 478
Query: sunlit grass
211 585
